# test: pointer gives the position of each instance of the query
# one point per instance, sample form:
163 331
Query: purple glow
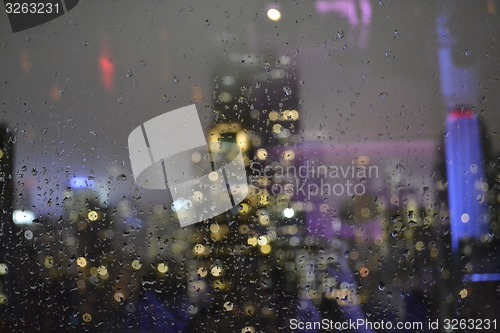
357 12
415 157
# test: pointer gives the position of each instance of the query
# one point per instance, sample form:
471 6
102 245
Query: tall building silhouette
234 280
6 227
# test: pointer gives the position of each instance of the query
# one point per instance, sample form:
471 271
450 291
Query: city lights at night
248 167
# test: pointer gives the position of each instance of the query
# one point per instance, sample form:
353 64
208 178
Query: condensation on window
264 166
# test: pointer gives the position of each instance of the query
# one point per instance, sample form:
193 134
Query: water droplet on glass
28 234
287 90
228 306
381 285
119 100
384 94
121 177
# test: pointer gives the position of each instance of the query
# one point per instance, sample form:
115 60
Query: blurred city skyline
74 114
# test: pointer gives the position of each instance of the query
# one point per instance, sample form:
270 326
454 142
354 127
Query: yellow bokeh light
199 249
216 270
136 264
277 128
273 115
1 154
202 271
262 154
264 200
265 249
87 317
284 115
243 140
93 215
219 285
102 270
162 268
264 219
81 261
243 229
118 296
48 262
94 271
289 115
214 227
244 208
252 241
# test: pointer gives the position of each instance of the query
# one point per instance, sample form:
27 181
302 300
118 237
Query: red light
461 114
107 69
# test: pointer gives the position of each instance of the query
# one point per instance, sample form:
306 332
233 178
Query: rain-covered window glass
249 166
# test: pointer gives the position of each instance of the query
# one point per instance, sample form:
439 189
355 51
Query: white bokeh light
274 14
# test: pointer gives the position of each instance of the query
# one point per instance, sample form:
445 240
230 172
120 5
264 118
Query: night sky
74 88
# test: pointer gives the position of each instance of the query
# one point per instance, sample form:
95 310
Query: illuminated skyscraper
233 278
467 184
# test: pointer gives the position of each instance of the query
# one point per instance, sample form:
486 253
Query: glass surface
249 166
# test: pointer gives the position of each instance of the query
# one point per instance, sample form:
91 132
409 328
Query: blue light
466 178
486 277
81 182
